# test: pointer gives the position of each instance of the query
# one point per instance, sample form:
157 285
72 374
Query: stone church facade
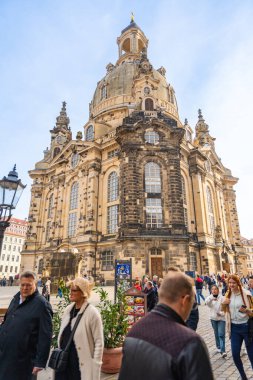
139 184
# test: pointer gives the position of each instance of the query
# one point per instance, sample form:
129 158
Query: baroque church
136 183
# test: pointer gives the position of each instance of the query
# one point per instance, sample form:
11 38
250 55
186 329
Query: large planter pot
112 358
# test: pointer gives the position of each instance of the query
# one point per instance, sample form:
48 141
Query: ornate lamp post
11 189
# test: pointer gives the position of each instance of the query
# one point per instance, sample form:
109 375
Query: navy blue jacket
25 337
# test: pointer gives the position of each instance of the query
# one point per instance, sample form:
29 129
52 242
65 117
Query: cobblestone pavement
224 369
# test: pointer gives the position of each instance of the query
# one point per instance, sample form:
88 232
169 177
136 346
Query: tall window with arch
73 204
112 209
210 210
154 217
89 136
113 187
104 92
73 196
40 266
184 201
149 104
50 206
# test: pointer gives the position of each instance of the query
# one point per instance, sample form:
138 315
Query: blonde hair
82 284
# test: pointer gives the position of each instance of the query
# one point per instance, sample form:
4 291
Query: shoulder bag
59 358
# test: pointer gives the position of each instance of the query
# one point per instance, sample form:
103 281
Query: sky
54 51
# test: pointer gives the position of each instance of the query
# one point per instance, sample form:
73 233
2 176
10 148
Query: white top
48 286
214 305
236 302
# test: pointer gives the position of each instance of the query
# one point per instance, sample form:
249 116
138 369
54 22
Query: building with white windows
13 243
140 184
248 250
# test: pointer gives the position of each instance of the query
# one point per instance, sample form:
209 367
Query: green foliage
58 312
113 318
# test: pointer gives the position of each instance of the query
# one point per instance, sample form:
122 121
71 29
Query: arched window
40 266
210 210
104 92
56 151
107 260
89 133
50 206
151 137
149 104
152 178
73 196
184 201
113 187
154 218
74 160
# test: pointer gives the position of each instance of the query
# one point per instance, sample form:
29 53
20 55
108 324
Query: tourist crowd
177 351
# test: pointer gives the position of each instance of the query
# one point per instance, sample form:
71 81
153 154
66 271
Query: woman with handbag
238 308
86 348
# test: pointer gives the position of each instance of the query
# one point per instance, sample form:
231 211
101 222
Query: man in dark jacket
160 346
25 334
151 296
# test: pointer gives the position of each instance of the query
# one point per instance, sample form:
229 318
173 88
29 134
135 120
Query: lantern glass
11 189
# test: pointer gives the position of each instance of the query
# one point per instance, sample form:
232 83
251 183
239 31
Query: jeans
219 333
239 333
199 294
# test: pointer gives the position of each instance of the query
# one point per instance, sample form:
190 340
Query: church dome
132 79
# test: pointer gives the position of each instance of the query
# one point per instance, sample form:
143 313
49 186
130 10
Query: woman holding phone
217 319
238 307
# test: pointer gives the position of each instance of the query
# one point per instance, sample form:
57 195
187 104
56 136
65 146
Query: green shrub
113 317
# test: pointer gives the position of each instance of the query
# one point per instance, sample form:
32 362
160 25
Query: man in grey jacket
160 346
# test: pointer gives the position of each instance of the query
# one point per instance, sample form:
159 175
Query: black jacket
25 337
161 347
151 298
193 319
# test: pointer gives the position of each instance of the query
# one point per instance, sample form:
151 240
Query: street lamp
11 189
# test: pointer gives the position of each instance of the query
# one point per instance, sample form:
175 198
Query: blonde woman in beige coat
85 355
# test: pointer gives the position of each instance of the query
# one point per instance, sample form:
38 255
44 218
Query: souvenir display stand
136 305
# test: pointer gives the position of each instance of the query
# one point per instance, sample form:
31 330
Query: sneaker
224 354
218 350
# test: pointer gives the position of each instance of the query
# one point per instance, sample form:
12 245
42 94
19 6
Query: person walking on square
151 295
199 283
217 319
160 346
25 334
238 307
86 349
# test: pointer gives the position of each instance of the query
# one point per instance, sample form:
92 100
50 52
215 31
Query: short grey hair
28 274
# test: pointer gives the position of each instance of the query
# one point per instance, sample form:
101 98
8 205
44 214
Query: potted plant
115 328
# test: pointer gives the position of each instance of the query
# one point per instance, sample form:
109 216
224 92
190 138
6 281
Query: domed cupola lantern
131 42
